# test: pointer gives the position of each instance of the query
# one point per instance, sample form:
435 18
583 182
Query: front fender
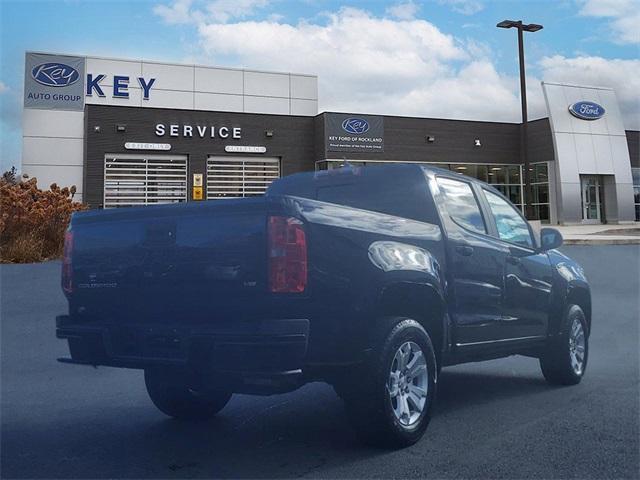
571 287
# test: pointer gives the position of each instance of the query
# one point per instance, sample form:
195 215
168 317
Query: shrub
33 221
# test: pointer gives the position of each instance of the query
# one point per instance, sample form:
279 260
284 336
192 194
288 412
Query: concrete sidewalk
600 234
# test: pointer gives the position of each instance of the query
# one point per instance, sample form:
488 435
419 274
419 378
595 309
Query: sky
436 58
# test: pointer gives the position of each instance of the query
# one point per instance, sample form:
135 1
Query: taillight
287 255
67 273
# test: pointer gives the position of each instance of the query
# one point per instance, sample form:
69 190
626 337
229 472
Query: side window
461 204
511 226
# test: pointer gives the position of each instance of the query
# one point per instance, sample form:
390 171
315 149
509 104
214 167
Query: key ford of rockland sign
57 82
351 133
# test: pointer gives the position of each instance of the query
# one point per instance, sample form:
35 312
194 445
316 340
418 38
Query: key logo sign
586 110
354 133
54 74
355 126
53 82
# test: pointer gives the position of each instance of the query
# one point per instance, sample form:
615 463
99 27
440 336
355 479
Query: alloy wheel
408 384
577 346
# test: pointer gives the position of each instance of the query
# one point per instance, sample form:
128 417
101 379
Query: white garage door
236 177
134 180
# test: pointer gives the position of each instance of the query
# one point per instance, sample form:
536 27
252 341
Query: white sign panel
53 82
244 149
147 146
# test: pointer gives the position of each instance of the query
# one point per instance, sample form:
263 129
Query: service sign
54 82
354 133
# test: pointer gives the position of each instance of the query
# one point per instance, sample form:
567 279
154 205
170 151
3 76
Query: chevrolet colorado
371 279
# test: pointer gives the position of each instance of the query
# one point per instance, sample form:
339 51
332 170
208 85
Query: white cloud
188 11
225 10
177 13
385 65
403 11
465 7
621 75
3 88
606 8
373 64
275 17
627 28
624 17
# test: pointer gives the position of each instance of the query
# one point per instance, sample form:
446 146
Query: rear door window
461 204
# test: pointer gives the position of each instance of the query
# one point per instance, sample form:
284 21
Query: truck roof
397 189
385 174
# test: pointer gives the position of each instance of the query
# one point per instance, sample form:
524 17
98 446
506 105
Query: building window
635 172
539 174
237 177
505 178
136 180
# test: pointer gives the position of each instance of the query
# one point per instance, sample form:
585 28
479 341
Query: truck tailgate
162 264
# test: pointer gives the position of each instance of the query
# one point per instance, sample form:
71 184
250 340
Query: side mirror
550 238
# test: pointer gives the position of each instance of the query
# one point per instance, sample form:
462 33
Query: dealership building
138 132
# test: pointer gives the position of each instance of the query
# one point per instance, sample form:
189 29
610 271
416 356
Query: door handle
513 260
464 250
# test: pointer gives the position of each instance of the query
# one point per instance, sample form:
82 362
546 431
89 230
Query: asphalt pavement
495 419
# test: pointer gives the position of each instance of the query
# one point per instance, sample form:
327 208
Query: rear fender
412 286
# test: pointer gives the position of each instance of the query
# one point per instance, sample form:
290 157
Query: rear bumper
266 348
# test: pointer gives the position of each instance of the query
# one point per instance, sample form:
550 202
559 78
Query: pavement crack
260 413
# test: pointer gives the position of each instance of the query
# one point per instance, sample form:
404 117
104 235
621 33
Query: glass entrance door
591 199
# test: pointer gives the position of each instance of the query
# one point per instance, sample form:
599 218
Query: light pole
524 157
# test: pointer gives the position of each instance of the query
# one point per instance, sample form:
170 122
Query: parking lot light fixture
524 157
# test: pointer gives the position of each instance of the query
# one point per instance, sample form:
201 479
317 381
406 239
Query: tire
386 406
565 358
176 397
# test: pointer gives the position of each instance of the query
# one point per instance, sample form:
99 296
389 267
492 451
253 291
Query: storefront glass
505 178
636 191
539 174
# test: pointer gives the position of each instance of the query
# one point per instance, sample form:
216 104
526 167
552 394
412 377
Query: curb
601 241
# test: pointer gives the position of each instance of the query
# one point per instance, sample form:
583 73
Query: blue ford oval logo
357 126
54 74
586 110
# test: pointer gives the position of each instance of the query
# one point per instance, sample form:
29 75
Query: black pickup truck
371 279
